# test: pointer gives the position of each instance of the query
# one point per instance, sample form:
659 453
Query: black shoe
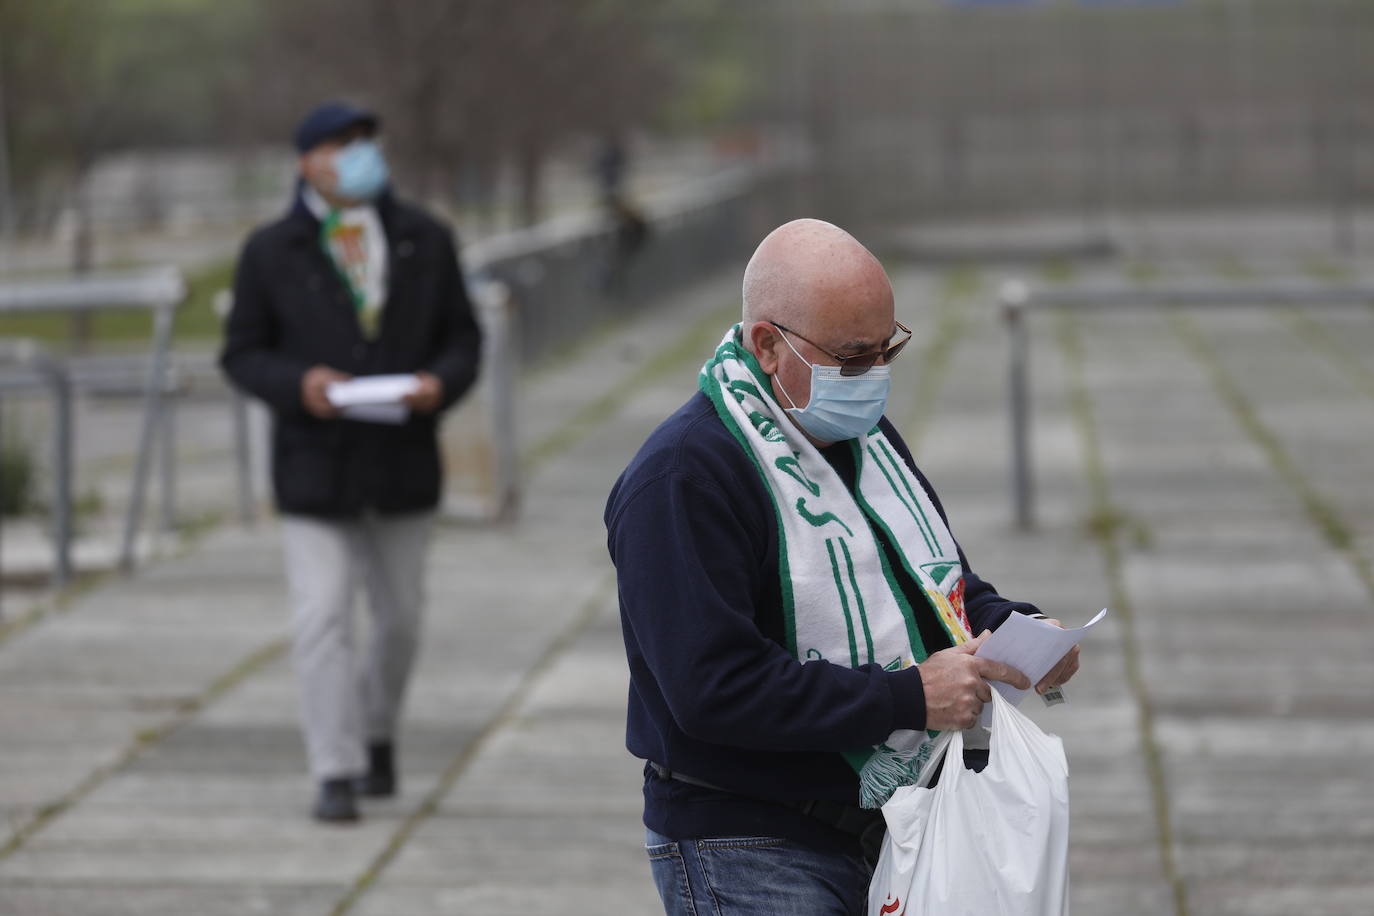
380 781
336 803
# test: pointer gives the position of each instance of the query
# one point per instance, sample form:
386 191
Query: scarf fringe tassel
887 771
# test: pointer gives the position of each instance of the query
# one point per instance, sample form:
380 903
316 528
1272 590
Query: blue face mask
361 170
841 406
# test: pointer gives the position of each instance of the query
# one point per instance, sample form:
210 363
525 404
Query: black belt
849 819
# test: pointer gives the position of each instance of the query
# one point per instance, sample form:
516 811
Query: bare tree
474 82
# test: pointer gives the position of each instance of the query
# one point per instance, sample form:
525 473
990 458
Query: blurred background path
1204 474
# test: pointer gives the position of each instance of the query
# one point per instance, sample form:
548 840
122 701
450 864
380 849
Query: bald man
795 611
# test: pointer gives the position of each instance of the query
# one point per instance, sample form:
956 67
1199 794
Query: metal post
152 415
243 458
2 515
8 219
1014 297
169 463
62 473
500 360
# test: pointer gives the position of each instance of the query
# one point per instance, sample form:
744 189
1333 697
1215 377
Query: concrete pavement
1204 475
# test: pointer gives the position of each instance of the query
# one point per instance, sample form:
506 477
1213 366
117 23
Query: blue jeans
755 876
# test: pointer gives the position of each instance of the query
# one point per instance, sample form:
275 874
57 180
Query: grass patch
1057 271
1143 271
1320 268
1232 267
17 478
961 282
195 320
1112 522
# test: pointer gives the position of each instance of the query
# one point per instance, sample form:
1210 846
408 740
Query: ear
762 341
314 163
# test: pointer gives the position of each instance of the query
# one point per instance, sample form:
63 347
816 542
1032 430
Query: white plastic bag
993 843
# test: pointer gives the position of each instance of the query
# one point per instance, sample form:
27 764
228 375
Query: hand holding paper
374 398
315 384
955 683
372 389
1032 646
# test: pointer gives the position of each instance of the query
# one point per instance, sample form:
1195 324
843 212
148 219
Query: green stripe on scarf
841 601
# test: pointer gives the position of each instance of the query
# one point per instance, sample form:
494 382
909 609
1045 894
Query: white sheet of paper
371 389
1032 647
395 414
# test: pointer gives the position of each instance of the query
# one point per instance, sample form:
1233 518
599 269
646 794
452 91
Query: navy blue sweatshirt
713 692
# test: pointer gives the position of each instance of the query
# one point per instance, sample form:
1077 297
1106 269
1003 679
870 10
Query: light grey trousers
344 706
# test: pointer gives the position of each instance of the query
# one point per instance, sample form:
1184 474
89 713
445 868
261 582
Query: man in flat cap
351 283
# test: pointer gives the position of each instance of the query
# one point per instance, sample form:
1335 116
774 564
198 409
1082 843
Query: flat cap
329 119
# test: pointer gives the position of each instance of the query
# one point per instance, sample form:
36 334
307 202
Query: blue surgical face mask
361 170
841 406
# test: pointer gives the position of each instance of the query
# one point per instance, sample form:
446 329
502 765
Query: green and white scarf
841 601
354 240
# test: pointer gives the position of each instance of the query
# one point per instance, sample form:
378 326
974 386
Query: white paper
1032 647
395 414
371 389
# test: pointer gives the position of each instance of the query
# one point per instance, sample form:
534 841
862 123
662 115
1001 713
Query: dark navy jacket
713 692
292 311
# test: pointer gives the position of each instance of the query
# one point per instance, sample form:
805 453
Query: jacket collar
397 221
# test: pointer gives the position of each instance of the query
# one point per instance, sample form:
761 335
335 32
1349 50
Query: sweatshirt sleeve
688 566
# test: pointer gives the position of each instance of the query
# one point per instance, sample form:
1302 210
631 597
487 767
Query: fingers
971 647
423 402
321 408
1072 668
956 686
315 390
317 402
1065 669
1000 671
1052 679
428 394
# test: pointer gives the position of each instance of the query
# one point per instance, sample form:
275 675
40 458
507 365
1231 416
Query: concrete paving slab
1264 899
589 894
233 898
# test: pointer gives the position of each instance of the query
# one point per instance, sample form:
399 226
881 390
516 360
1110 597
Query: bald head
830 294
809 274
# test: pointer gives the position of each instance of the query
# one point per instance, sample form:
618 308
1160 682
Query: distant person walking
351 282
629 230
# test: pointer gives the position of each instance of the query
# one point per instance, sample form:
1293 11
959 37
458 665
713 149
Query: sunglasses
862 362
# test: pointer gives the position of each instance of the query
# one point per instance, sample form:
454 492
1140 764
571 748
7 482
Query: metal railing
567 275
1017 300
161 292
24 366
